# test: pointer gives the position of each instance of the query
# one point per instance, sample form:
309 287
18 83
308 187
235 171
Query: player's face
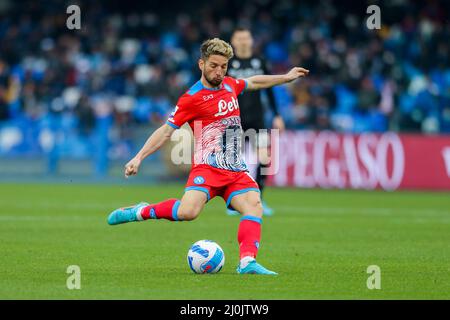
214 69
242 41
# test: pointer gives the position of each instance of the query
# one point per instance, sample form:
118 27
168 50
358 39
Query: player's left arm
267 81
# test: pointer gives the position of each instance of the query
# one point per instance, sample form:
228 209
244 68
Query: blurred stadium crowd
75 90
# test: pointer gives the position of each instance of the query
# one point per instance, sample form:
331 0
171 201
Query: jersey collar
199 86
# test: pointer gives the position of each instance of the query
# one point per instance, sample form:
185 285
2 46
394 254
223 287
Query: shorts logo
199 180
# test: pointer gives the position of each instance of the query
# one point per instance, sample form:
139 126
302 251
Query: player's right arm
182 113
156 140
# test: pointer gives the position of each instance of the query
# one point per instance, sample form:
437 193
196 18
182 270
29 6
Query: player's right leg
186 209
258 149
249 232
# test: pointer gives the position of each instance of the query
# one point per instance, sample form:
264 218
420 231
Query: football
206 256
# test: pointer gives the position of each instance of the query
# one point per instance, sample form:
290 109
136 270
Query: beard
215 82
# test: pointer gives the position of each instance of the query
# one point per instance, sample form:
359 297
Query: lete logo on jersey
225 107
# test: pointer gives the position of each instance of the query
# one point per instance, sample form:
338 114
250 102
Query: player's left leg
249 233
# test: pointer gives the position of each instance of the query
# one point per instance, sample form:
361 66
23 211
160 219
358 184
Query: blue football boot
254 267
127 214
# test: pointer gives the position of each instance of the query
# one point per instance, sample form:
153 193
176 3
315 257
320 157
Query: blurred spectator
131 60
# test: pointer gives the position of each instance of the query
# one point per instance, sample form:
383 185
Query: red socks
167 209
249 236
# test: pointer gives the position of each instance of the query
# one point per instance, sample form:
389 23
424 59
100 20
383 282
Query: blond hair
216 46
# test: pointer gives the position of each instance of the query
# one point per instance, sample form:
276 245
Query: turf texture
321 243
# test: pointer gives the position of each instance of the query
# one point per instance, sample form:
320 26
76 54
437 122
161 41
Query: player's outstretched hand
132 167
296 73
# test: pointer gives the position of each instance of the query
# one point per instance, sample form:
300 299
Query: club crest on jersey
225 107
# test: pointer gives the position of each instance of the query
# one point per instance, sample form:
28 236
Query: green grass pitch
320 241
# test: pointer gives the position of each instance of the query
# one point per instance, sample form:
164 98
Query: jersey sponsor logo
208 97
233 121
226 106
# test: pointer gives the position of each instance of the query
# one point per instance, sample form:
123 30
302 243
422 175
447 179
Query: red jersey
214 117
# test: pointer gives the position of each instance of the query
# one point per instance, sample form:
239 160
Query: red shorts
220 182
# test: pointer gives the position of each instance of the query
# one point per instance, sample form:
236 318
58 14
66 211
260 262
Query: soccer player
245 64
211 109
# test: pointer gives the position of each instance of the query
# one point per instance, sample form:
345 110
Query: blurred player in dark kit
245 64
